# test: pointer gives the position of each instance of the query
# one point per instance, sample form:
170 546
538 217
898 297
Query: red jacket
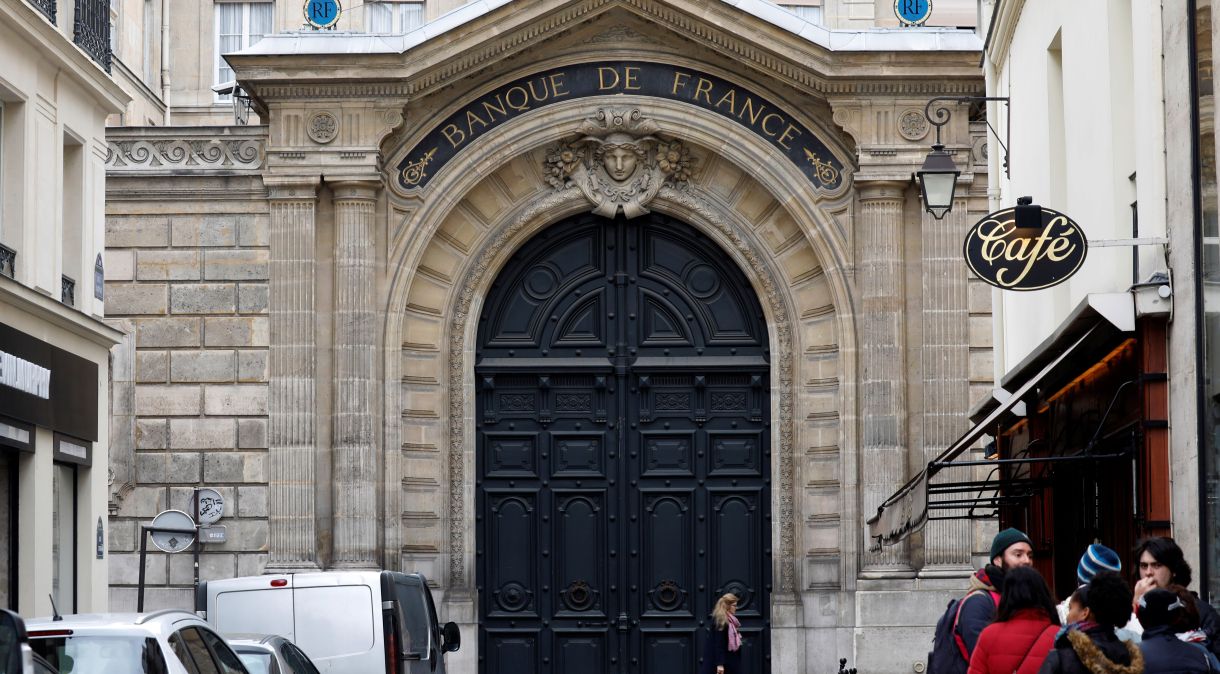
1017 646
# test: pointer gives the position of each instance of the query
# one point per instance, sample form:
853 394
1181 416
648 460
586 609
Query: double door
623 453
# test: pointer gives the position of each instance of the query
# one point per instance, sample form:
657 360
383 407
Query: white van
347 622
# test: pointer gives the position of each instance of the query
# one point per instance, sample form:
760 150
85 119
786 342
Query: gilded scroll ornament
827 174
414 172
618 162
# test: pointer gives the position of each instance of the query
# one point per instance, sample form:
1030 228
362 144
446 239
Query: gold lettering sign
1025 258
765 119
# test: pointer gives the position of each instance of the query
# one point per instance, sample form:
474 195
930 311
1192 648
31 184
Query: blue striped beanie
1097 558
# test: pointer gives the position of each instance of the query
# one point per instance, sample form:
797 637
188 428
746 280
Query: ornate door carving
623 452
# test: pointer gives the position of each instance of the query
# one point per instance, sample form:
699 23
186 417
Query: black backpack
948 654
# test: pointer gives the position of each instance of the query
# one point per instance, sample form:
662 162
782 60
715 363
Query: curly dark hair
1025 588
1108 598
1167 552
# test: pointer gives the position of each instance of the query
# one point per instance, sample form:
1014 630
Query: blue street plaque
322 13
913 12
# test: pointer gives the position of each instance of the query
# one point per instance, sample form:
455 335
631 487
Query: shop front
53 381
1072 447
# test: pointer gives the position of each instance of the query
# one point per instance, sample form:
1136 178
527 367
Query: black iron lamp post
938 175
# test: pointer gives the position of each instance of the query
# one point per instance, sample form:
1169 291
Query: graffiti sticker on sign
1034 257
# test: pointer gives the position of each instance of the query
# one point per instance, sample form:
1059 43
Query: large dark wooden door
623 452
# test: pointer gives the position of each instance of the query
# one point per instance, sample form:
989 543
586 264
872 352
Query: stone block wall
187 279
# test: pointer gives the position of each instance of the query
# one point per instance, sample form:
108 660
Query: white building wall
54 94
1087 138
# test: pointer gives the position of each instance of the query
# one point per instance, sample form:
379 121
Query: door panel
623 453
580 548
508 651
513 581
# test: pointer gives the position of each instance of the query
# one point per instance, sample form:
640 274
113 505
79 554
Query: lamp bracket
940 117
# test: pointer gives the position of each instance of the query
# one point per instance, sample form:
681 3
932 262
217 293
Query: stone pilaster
291 407
882 357
355 330
946 370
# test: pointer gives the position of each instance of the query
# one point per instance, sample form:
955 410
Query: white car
270 654
164 642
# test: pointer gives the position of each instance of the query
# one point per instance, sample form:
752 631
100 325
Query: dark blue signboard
762 117
322 13
913 12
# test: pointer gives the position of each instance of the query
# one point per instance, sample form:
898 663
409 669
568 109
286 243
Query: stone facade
364 341
187 280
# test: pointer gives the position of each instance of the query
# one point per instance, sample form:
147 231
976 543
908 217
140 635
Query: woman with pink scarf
723 652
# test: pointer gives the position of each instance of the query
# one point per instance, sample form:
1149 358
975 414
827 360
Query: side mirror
15 654
452 638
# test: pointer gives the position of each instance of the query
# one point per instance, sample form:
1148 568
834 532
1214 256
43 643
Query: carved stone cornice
880 189
337 90
210 150
355 189
742 37
292 188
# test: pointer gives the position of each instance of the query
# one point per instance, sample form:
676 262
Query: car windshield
100 655
258 662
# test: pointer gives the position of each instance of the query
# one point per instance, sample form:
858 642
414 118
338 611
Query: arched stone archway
811 339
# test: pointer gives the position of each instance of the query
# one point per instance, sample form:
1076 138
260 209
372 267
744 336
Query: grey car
270 654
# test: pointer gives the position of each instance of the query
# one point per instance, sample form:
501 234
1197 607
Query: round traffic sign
173 541
211 506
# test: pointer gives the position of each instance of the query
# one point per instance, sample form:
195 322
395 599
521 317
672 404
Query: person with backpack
1088 644
963 621
1024 628
1164 614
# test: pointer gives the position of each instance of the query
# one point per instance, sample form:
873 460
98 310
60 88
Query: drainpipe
165 58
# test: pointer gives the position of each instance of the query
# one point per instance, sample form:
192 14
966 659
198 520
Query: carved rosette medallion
912 125
322 127
619 161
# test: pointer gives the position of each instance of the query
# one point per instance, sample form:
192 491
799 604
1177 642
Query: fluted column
946 371
355 455
882 357
291 405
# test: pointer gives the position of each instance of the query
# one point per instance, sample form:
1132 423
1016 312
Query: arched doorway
623 451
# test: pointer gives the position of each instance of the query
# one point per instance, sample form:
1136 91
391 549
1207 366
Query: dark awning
907 510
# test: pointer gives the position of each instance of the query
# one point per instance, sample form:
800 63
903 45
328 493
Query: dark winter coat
717 652
978 609
1209 622
1165 653
1015 646
1094 651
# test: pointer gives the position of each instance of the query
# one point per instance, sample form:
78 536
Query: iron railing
67 291
8 261
47 7
91 30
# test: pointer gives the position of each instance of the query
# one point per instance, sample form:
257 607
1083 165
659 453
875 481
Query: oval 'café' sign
1025 258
